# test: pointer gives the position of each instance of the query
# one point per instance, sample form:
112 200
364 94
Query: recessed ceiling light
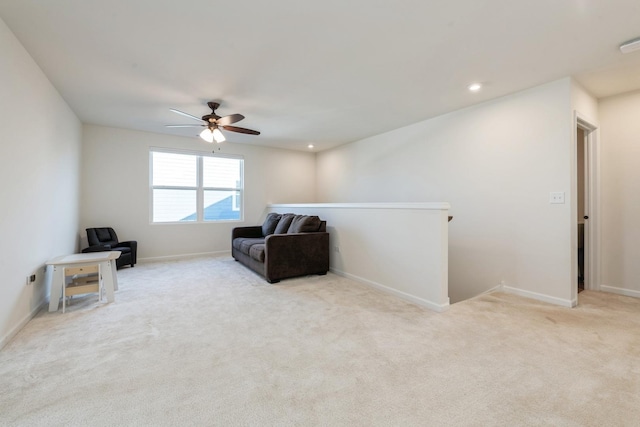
474 87
630 46
310 146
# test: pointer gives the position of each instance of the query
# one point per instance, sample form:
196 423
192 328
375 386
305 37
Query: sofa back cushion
284 223
270 224
101 236
304 224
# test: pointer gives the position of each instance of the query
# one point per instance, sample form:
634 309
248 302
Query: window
189 187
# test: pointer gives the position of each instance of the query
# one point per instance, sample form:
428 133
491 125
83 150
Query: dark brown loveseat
284 246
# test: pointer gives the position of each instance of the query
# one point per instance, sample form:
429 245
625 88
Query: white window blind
189 187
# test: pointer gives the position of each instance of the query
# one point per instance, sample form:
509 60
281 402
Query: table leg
57 282
108 279
114 274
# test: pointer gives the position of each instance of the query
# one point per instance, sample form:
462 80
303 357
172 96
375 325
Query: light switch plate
556 197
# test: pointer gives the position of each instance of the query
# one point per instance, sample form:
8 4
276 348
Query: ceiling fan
213 123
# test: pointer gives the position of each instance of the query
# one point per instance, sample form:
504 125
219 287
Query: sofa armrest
133 245
251 232
297 254
97 248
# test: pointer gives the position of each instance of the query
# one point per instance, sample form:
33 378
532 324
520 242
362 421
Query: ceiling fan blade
241 130
184 126
185 114
227 120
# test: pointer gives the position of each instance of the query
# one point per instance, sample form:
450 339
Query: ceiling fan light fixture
207 135
218 136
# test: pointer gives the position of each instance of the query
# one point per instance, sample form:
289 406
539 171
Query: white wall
620 200
584 103
495 163
399 248
115 189
39 171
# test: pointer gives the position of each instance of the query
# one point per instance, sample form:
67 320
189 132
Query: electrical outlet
30 279
336 248
556 197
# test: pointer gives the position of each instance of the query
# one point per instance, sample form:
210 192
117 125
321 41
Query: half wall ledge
398 248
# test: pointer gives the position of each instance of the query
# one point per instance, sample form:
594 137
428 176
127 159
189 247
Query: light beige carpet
207 342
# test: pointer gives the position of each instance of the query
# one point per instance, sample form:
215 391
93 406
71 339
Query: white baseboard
540 297
620 291
386 289
183 256
498 288
12 333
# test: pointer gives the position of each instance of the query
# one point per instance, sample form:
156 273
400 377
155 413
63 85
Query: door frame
592 240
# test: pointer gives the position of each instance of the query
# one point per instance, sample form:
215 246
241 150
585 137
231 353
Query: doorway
582 169
586 260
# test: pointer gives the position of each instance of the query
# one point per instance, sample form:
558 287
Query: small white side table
107 261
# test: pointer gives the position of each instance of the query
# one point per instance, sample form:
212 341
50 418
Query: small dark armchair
105 239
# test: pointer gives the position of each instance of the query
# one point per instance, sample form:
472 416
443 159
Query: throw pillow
284 223
304 224
270 223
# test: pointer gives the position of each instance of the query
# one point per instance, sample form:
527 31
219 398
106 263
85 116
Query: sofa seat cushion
123 249
244 244
257 252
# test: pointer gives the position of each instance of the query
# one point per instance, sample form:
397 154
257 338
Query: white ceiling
323 72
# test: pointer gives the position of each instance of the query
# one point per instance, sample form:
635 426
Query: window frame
199 188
